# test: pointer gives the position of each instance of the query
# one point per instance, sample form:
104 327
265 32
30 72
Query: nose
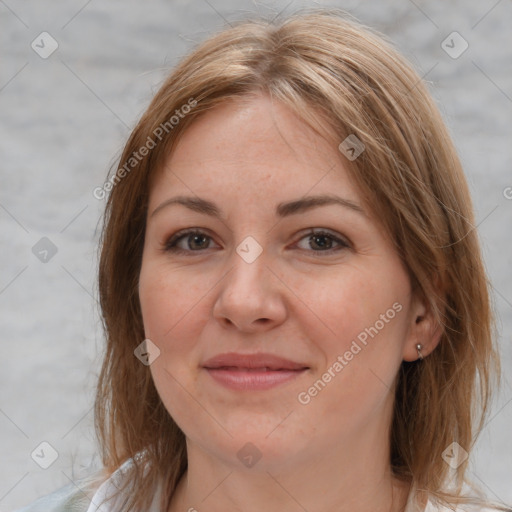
250 296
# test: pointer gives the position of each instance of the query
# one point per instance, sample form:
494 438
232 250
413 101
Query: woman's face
337 305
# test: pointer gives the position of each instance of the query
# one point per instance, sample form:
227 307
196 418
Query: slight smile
252 372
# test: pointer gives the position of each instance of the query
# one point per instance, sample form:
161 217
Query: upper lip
269 361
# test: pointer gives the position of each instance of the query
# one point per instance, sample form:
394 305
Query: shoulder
66 499
89 494
74 497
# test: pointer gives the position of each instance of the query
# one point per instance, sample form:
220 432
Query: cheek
365 311
354 300
171 308
171 304
361 354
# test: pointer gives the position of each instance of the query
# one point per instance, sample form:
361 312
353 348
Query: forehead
252 147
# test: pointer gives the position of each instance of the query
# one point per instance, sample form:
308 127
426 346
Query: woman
327 344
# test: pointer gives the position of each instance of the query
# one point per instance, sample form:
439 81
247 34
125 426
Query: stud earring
419 346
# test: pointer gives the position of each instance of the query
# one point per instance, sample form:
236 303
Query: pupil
195 238
321 237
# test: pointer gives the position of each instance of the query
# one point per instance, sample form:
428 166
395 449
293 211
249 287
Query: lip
252 371
252 361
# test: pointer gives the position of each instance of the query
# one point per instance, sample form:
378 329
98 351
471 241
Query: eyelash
170 245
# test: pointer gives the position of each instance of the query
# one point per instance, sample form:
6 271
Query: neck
335 482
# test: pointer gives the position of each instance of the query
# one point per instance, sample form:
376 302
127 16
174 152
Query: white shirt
111 487
69 499
108 488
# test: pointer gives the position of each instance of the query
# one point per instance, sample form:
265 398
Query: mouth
249 369
252 379
252 372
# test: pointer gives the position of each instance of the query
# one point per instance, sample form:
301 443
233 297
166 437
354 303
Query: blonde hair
343 79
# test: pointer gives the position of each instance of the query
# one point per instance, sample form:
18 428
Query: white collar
110 488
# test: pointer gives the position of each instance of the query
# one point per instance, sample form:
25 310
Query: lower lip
246 380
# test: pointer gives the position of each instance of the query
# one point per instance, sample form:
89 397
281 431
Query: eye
194 240
324 241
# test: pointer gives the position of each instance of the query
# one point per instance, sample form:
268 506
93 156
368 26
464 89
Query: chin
259 449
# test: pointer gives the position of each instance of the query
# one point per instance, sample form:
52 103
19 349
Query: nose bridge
249 273
249 292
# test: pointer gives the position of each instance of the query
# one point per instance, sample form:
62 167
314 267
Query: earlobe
424 334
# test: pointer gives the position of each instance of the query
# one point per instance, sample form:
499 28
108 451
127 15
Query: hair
341 78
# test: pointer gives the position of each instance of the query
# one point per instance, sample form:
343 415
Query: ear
424 329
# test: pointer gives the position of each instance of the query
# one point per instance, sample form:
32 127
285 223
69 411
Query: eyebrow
285 209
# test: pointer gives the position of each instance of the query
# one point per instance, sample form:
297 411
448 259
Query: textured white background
63 121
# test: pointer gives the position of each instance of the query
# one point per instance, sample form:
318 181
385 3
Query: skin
297 300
